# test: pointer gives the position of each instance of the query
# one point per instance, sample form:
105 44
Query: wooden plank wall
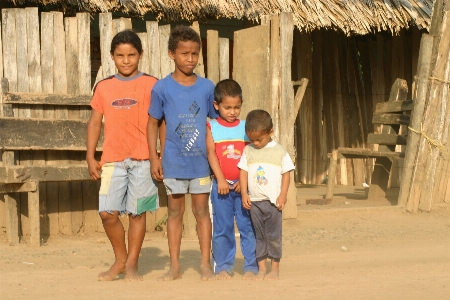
61 63
348 77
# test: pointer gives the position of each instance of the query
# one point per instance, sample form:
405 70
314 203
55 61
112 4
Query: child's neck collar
183 79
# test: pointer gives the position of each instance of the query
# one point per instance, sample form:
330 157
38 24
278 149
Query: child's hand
281 201
94 168
223 187
236 187
246 202
156 170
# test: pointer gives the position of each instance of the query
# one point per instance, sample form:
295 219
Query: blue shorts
127 187
192 186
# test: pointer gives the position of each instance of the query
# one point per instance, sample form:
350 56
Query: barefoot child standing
227 139
265 167
126 185
184 100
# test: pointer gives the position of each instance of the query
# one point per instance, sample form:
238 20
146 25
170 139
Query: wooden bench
391 115
37 134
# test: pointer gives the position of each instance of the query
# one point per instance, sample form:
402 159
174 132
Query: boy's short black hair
258 120
227 88
126 37
184 34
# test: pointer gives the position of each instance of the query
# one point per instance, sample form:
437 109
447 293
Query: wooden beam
394 106
47 173
18 187
386 139
366 153
46 99
27 134
390 119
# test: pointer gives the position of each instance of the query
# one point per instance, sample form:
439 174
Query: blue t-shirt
185 109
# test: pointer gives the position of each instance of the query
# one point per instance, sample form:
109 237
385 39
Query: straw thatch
350 16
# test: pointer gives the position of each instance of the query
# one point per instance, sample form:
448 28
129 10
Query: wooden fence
51 54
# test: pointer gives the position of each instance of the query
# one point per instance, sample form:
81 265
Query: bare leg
274 271
136 234
116 235
200 209
262 270
174 232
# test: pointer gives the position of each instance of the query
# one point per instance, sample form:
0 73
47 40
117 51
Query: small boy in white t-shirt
265 178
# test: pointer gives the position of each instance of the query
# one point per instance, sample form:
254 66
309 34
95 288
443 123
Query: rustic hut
351 52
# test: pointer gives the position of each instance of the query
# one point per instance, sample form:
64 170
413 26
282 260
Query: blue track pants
225 208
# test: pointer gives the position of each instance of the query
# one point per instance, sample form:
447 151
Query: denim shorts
192 186
127 187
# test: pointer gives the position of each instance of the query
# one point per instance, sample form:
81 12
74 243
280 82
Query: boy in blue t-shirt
184 100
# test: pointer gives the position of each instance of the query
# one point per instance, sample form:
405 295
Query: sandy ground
348 249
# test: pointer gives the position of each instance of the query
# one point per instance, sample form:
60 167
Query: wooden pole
200 68
105 27
423 72
224 58
154 52
144 63
213 56
167 64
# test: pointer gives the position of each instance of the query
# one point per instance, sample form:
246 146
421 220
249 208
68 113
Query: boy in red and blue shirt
229 140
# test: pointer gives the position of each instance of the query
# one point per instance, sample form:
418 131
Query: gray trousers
267 220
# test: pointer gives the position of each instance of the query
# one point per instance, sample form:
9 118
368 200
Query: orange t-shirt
124 103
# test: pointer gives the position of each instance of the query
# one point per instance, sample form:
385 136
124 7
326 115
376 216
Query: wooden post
167 64
71 31
275 75
144 65
154 53
11 199
9 47
200 68
120 24
332 175
224 58
84 53
423 72
33 213
212 37
105 24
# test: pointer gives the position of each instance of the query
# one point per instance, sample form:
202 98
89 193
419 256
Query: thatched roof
350 16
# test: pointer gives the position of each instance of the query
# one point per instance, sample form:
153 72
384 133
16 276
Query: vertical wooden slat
47 59
71 31
144 62
84 53
212 66
90 205
318 158
120 24
22 53
1 50
200 68
154 53
287 114
12 200
224 58
33 212
9 47
167 64
274 74
105 24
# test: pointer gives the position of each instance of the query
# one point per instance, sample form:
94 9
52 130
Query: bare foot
249 276
170 275
112 273
132 275
223 275
260 275
207 273
272 275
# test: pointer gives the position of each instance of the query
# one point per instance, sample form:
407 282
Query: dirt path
390 255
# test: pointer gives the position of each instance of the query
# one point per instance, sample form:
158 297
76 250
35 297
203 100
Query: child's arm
93 134
243 179
155 163
282 198
222 184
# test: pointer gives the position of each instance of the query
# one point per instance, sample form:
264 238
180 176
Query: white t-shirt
265 167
